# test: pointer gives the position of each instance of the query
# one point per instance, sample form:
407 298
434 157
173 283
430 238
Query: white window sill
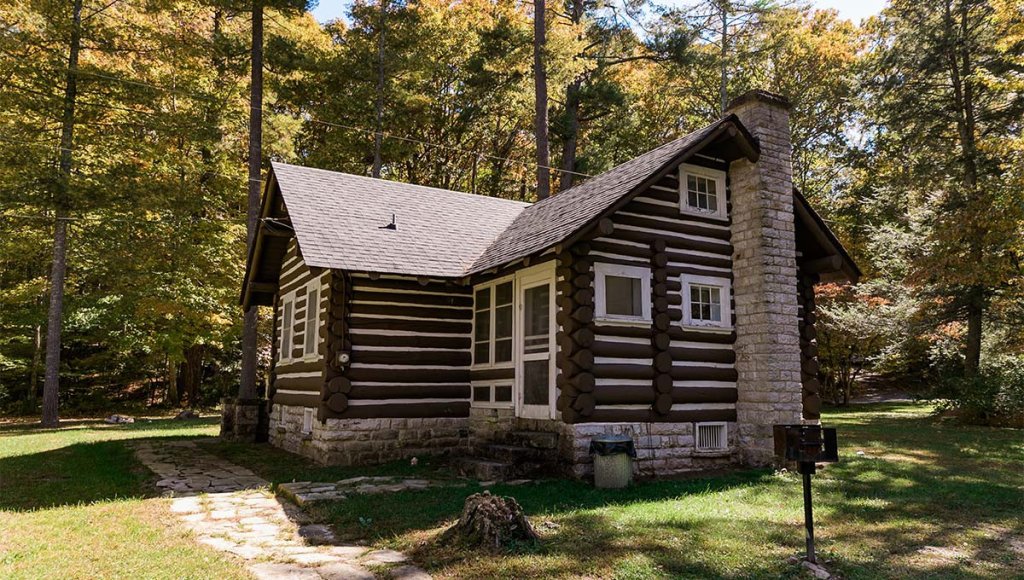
492 367
482 405
708 328
637 322
686 210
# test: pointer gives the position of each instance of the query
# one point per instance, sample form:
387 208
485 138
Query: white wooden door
535 369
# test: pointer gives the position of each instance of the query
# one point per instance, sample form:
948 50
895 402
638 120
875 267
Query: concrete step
534 439
484 469
518 454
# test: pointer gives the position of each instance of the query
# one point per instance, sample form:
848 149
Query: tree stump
491 522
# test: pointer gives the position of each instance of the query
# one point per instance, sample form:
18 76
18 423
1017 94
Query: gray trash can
613 460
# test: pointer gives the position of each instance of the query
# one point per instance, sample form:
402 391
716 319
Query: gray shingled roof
337 217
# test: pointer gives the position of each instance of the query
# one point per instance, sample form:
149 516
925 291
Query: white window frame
287 327
307 420
492 387
602 270
726 294
311 334
724 438
697 171
493 311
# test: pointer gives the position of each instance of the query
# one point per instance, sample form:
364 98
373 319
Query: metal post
809 517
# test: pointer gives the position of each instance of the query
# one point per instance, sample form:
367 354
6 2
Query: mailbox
806 444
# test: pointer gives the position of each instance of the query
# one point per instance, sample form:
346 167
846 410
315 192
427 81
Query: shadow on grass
140 426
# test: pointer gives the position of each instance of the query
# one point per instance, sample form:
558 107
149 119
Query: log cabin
670 299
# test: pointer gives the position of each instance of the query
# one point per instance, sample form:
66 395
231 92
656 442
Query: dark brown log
662 321
812 386
662 340
810 318
660 304
404 410
338 328
809 333
311 384
582 265
622 250
584 337
585 404
581 281
663 362
811 350
457 300
583 382
337 402
660 260
583 314
339 385
810 366
660 289
662 211
570 416
702 336
386 375
492 374
415 357
703 374
622 350
713 355
584 359
659 245
410 284
424 326
673 226
812 406
663 404
311 399
622 371
584 296
605 227
409 391
564 258
723 262
413 341
564 272
678 243
663 383
581 249
299 367
661 276
412 311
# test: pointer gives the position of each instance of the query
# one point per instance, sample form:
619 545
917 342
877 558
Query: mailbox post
807 445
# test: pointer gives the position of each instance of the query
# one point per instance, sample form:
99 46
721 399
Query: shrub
995 396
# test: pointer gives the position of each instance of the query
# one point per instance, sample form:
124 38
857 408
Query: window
702 191
287 324
307 421
492 324
492 395
623 293
706 301
312 334
711 436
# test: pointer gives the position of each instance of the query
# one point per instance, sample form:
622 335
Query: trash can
613 460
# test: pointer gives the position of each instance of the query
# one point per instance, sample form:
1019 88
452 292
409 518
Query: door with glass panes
535 368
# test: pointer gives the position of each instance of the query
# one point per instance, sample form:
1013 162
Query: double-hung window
287 328
706 302
312 331
702 191
497 394
622 293
492 325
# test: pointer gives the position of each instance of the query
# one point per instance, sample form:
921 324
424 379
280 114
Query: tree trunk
572 129
378 135
723 93
975 316
247 384
540 82
172 383
192 373
51 382
37 355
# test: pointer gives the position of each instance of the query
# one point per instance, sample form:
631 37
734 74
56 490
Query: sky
853 9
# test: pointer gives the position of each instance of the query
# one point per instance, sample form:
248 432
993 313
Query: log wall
409 346
298 381
660 373
808 345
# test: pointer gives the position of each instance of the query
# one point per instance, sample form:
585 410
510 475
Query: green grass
74 503
927 499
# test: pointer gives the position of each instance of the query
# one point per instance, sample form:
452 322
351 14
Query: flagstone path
231 509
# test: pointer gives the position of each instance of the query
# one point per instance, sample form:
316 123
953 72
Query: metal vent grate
307 421
712 437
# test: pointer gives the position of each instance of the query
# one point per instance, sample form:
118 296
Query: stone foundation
367 441
244 420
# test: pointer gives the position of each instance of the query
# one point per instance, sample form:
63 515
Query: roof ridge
396 183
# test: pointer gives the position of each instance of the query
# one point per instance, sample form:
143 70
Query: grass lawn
74 503
926 499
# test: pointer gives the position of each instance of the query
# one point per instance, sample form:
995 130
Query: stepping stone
409 573
314 559
275 571
348 552
343 571
384 557
316 534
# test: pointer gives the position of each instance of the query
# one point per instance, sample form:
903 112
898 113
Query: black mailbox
806 443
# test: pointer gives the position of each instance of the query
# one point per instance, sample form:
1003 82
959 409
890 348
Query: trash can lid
609 444
611 438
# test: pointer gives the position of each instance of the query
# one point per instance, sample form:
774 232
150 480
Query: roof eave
848 269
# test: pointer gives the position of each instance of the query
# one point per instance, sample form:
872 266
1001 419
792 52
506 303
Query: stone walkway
230 508
302 492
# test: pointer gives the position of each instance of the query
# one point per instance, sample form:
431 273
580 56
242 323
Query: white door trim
525 279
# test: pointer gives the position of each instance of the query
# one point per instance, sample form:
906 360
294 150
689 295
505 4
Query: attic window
622 293
702 191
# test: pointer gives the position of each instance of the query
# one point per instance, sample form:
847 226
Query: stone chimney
765 278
